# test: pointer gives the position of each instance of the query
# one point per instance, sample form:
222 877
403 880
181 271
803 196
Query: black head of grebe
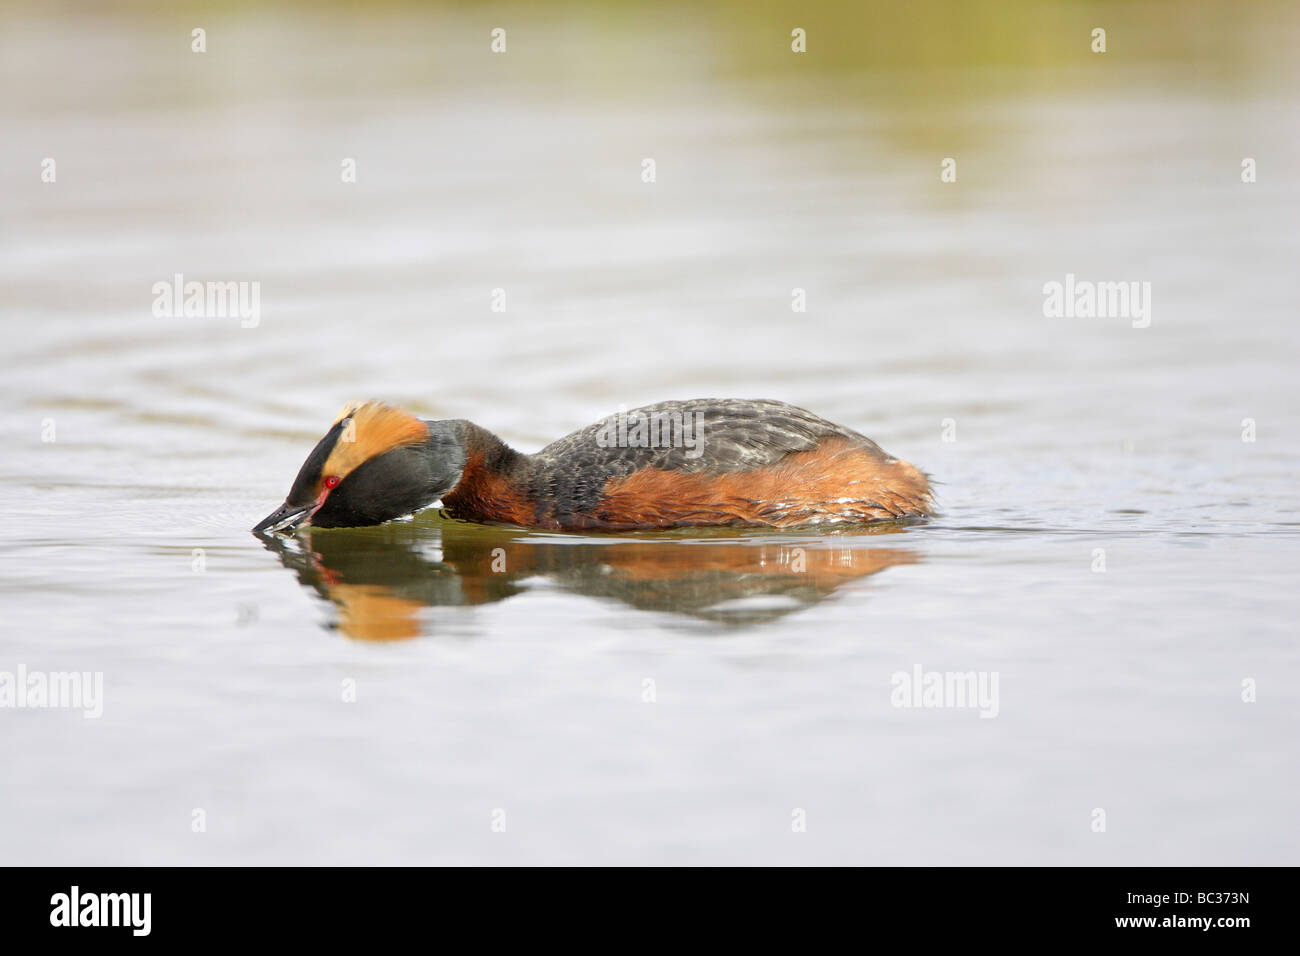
375 463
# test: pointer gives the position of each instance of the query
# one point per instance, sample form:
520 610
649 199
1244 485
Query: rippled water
139 450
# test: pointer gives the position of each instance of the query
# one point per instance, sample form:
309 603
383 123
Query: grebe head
375 463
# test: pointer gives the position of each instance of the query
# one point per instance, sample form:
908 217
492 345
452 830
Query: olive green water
1109 546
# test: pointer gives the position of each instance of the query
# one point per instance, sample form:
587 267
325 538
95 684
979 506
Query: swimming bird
730 462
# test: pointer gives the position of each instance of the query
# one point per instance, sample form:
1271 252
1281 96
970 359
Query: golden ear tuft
348 409
372 428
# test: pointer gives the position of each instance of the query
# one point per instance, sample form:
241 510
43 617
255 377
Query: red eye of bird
332 481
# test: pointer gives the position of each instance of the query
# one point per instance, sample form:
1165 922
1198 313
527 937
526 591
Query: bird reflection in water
382 578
